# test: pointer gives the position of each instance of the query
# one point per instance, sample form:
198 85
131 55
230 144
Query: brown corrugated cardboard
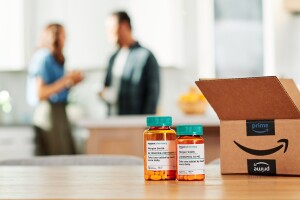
249 98
260 123
292 90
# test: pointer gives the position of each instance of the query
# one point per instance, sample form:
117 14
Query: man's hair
122 16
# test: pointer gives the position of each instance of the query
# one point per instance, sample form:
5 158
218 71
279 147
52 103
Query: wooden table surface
105 182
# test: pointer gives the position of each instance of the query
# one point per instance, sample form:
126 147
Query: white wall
178 32
157 24
86 45
287 40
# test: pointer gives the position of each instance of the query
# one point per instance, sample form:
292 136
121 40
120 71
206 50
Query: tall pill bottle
159 149
190 153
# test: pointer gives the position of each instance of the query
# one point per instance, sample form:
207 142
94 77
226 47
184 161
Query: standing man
132 79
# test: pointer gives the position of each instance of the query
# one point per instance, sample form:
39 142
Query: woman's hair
50 39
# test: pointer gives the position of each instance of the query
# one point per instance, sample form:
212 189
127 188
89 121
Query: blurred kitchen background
191 39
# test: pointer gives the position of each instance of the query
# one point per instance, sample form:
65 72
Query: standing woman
48 89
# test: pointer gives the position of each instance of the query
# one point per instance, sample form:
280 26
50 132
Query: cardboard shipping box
260 124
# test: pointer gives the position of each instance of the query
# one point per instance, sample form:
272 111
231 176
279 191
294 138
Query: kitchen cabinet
16 142
12 35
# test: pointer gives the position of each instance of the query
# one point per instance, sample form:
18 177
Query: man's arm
108 77
152 82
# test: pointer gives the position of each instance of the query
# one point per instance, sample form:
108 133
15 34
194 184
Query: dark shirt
140 82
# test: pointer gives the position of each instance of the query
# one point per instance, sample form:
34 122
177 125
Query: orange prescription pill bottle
159 149
190 153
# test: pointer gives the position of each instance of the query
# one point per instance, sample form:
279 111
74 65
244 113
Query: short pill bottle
190 153
159 149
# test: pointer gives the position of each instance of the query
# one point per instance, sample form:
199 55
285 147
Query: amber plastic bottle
159 149
190 153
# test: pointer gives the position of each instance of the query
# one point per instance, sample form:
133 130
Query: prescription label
190 159
161 155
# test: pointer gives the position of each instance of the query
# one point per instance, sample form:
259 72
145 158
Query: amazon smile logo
284 144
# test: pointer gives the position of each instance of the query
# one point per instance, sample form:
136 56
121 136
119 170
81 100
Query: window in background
239 38
12 35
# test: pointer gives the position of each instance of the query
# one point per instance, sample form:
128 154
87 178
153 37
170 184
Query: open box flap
255 98
292 90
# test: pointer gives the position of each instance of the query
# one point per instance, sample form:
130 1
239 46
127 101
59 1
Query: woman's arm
45 91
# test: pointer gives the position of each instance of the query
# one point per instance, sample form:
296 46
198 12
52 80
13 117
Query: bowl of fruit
192 102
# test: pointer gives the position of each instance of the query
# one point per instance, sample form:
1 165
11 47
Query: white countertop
140 121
